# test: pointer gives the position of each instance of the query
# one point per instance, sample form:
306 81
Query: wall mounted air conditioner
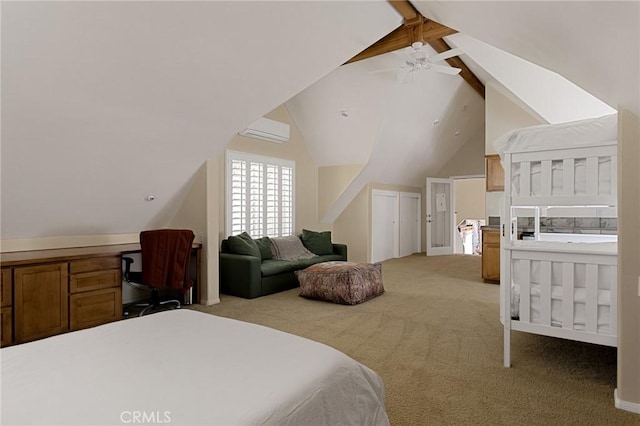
269 130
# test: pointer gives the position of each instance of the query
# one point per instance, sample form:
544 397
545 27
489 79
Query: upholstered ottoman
347 283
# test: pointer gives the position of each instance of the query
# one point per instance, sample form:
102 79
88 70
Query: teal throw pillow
244 244
264 245
317 242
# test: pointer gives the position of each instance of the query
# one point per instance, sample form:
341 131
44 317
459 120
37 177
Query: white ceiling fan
414 59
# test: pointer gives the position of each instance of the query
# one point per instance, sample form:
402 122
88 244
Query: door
384 225
440 220
409 224
40 301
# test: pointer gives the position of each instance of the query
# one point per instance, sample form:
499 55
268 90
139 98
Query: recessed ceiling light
344 112
456 134
436 122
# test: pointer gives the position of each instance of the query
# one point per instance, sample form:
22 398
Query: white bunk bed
560 285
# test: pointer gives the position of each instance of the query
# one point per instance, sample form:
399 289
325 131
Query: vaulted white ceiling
104 103
594 44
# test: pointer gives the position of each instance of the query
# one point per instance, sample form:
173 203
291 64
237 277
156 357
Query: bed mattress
186 368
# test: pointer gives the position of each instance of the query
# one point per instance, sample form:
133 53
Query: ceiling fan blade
445 55
382 70
445 70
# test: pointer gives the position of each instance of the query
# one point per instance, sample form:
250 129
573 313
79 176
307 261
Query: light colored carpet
435 338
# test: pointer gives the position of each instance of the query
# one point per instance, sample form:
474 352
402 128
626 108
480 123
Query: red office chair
165 263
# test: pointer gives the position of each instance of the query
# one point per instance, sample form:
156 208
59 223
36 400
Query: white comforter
186 368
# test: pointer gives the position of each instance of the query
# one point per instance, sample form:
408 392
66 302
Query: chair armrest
240 275
340 249
127 267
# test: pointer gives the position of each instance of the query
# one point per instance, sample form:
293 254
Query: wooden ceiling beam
395 40
403 37
441 46
418 28
405 9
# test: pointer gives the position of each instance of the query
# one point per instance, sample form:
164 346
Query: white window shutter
260 195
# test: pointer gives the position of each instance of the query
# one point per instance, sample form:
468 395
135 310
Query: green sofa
250 276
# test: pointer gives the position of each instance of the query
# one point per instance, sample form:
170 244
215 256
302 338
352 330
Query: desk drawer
88 281
94 308
95 264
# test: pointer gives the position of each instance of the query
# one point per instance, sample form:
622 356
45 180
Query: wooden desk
48 292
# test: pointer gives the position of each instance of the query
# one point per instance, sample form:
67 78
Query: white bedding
545 137
186 368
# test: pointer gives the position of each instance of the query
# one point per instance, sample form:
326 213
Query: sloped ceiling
397 117
594 44
544 93
104 103
407 147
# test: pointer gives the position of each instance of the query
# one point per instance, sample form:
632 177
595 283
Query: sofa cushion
317 242
264 245
243 244
327 258
279 266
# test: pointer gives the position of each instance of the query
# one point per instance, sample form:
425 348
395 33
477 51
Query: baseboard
210 302
624 405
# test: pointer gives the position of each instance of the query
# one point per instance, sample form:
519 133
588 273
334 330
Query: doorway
395 224
469 212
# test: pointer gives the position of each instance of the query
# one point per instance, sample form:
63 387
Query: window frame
230 156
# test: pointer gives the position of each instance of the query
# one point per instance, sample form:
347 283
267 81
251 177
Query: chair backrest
165 257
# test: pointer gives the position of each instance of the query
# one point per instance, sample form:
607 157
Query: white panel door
440 220
409 224
384 225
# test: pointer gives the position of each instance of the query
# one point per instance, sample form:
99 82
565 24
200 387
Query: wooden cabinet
494 173
95 292
42 297
41 301
47 292
491 255
6 310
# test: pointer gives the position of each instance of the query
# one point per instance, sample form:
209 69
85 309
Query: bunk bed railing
575 179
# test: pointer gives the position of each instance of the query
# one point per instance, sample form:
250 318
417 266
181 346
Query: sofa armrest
240 275
340 249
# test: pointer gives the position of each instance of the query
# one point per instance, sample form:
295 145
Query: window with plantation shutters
259 195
